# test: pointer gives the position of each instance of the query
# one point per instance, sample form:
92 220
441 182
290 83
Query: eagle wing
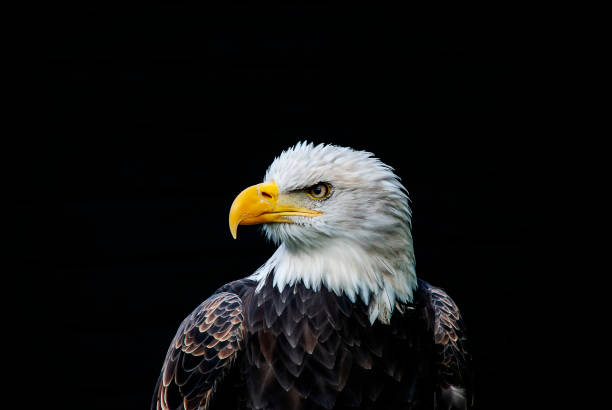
452 358
200 355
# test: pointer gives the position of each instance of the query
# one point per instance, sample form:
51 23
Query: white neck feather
360 246
345 267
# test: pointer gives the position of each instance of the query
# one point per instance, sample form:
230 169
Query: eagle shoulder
452 359
200 355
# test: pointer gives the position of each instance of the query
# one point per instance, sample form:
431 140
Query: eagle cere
336 318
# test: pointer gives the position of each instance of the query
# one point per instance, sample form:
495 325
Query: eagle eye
322 190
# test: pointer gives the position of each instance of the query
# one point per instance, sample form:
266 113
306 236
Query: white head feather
361 245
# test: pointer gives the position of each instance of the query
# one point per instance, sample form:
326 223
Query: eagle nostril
266 195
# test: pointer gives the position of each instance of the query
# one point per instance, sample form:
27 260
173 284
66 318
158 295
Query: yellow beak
261 204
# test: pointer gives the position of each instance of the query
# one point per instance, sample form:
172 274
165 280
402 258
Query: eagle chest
306 349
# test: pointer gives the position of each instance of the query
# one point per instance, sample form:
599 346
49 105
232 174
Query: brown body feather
300 349
201 353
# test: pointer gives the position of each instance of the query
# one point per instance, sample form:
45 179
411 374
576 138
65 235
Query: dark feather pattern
202 351
301 349
452 358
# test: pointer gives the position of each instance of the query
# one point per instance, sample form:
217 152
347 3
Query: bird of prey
336 318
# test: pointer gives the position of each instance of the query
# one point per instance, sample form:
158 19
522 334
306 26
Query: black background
156 116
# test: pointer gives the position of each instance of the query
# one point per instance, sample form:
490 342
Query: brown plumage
452 358
202 351
300 349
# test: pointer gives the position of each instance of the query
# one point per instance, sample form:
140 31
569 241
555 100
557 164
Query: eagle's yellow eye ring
320 191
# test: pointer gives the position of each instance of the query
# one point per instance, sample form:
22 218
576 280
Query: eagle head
341 219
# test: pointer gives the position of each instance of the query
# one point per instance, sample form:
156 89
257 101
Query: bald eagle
336 318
